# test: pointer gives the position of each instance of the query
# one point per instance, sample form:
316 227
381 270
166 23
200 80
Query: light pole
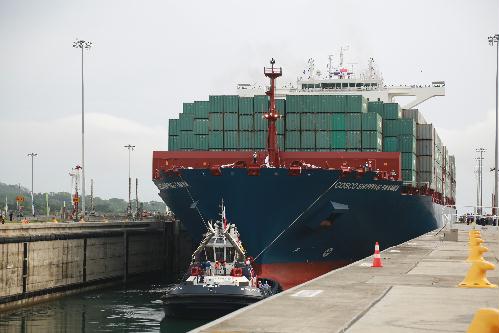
129 208
33 155
81 44
492 40
477 172
480 150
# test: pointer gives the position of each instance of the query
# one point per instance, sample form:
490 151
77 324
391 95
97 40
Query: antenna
352 64
343 48
330 66
311 67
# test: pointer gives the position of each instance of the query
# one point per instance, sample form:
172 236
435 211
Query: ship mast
272 115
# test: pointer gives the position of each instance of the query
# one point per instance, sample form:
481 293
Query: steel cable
194 202
297 218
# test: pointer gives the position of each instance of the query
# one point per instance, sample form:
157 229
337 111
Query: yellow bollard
476 276
485 321
472 234
475 242
475 253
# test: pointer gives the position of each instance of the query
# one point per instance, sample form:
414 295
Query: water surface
136 308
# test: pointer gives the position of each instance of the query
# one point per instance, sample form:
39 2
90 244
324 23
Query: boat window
344 85
352 85
359 85
219 254
230 254
208 254
375 84
318 85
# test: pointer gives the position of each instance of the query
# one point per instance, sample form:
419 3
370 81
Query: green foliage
56 201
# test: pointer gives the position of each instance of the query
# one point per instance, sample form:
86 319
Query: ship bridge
374 90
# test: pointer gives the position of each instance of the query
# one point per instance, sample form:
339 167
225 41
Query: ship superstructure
341 80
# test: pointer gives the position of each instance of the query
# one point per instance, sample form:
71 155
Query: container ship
313 175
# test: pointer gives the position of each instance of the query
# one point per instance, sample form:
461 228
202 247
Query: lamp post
32 155
129 207
83 45
495 40
480 150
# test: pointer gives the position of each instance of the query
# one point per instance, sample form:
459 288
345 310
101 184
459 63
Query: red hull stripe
292 274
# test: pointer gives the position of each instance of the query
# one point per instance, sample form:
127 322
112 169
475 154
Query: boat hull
204 302
299 227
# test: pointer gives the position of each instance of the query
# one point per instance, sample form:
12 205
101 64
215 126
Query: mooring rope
194 202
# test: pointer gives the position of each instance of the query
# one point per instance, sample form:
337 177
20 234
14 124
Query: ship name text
366 186
171 185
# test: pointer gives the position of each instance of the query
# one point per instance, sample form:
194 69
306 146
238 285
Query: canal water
136 308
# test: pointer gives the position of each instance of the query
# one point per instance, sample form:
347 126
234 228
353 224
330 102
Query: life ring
195 271
237 272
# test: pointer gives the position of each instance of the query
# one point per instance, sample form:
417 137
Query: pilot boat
220 278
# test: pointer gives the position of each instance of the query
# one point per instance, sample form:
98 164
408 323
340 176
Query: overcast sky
150 56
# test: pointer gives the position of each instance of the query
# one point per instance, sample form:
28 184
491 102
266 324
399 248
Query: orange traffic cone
377 257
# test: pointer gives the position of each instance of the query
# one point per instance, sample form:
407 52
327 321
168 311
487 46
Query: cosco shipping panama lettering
313 175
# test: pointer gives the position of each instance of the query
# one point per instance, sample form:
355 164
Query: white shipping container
438 142
424 147
424 132
426 178
415 115
424 163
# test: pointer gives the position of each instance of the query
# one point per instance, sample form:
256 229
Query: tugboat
220 279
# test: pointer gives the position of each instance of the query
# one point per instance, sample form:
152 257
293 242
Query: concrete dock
41 261
415 291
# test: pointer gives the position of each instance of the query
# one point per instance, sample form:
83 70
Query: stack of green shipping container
186 126
224 123
329 123
309 123
318 123
399 135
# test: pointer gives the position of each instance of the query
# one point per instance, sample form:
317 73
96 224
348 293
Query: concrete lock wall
36 264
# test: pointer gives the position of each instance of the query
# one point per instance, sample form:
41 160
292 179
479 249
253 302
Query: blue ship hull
315 221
